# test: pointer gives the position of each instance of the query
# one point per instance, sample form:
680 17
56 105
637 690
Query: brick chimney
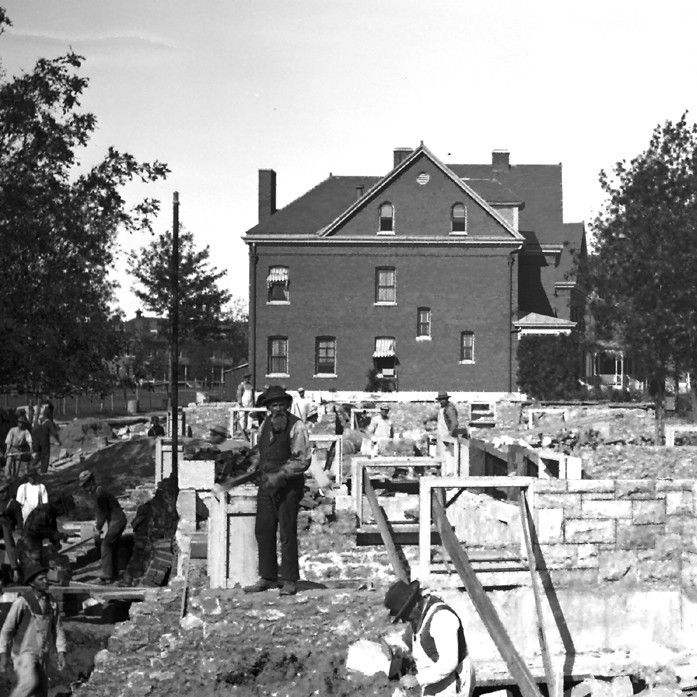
500 160
359 191
267 194
401 154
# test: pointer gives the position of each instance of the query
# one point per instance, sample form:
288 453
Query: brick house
426 275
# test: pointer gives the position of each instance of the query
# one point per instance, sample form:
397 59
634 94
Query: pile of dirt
85 434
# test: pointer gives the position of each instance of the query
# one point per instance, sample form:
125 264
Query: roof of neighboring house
534 319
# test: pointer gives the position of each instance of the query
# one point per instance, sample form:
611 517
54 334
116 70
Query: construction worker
31 629
10 523
109 512
32 493
443 665
447 423
284 456
41 436
18 447
42 524
156 429
245 398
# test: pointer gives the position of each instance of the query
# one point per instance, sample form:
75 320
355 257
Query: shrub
549 367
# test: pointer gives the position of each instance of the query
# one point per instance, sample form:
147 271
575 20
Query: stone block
592 508
663 485
587 556
550 525
670 546
582 486
648 511
559 556
571 503
580 530
634 489
571 578
652 571
638 536
685 526
369 658
550 486
617 566
679 503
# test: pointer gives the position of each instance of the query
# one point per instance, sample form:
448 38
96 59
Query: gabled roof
315 209
381 184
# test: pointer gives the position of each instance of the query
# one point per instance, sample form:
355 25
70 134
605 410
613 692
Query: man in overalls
31 629
443 665
447 421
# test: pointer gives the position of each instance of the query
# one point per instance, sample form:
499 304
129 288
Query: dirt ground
266 645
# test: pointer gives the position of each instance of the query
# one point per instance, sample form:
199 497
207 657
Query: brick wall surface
618 532
332 293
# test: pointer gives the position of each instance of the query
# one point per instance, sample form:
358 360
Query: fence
115 404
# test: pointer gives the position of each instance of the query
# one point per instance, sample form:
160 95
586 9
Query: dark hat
4 485
247 375
85 477
22 419
33 468
274 394
155 420
401 599
442 395
33 571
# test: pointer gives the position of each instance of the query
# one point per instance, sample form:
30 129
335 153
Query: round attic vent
423 178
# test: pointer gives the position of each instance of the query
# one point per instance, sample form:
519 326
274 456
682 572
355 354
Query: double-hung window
466 347
423 323
386 285
278 355
325 355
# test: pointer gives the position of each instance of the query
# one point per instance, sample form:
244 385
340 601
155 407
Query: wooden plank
482 603
537 592
381 521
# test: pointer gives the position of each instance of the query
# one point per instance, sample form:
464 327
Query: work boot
289 588
263 584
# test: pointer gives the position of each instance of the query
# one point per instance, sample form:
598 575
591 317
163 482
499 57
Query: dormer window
386 222
458 218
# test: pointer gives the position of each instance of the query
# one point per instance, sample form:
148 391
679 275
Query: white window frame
467 361
269 357
378 286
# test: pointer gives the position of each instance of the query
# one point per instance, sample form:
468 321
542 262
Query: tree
201 299
58 232
644 273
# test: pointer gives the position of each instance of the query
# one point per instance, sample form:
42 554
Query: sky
223 88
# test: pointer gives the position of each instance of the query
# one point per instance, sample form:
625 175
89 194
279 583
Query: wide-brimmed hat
401 599
275 393
442 395
85 477
33 571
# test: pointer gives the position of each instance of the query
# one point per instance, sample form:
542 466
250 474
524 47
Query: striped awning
384 347
277 274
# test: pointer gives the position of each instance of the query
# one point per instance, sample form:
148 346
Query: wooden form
385 532
487 460
193 474
481 601
672 429
232 546
359 464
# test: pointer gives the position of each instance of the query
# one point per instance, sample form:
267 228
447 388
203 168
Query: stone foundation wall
618 531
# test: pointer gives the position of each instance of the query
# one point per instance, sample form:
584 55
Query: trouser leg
109 549
32 680
265 527
288 506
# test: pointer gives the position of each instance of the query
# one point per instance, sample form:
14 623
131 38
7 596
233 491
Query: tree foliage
58 228
201 299
645 269
549 367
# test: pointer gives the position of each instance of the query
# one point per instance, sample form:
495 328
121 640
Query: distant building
425 276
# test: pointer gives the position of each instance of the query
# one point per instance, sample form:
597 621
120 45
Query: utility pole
174 341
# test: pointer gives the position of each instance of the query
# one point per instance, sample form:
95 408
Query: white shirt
29 496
